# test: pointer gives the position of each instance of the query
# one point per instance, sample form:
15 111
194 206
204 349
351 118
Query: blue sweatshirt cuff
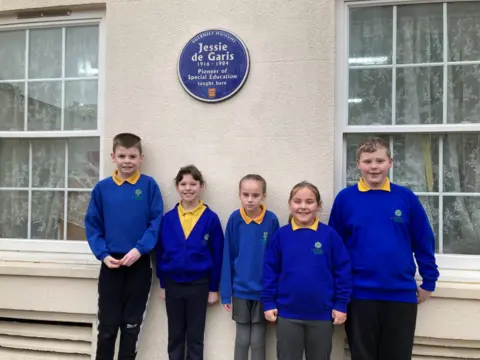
103 256
428 285
269 306
340 306
226 300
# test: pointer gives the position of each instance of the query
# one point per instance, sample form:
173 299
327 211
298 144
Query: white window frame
449 264
62 251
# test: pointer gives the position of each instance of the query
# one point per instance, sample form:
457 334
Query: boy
122 225
382 224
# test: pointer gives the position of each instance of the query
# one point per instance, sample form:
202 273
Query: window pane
370 97
420 95
47 210
461 225
463 31
12 54
48 165
44 105
77 208
464 94
81 58
14 163
430 204
415 162
83 162
14 214
45 60
12 107
371 37
419 33
461 163
81 105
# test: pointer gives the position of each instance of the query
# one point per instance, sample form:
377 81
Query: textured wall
280 124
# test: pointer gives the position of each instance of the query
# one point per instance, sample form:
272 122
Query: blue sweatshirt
243 255
306 274
381 230
186 260
122 217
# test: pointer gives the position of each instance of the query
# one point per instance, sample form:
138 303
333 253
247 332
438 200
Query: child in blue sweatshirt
248 233
122 226
307 280
382 226
189 263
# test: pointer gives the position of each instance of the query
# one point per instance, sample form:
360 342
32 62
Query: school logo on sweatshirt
317 249
397 217
205 239
264 238
138 194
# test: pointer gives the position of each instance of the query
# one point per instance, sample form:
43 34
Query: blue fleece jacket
122 217
243 255
382 230
186 260
306 274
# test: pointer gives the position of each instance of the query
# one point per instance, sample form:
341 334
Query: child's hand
212 297
423 295
227 307
338 317
132 256
162 294
111 262
271 315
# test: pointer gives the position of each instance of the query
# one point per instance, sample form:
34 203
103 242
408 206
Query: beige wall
281 125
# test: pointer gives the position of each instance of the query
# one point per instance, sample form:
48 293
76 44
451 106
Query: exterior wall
281 125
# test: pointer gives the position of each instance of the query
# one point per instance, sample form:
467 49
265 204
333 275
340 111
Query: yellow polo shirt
188 219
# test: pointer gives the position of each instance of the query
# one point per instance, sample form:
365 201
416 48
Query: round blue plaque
213 65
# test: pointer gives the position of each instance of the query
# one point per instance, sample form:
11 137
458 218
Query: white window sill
48 270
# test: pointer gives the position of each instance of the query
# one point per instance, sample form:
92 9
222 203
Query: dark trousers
186 305
294 337
381 330
122 301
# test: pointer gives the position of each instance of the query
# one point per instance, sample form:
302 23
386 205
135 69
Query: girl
248 232
189 261
307 280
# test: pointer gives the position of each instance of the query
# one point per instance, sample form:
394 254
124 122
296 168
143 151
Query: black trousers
186 305
381 330
122 301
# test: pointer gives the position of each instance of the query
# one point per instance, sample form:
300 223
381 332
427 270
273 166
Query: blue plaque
213 65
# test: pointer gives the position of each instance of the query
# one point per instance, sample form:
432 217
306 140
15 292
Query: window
50 127
413 78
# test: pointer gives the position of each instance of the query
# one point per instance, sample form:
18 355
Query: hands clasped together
128 260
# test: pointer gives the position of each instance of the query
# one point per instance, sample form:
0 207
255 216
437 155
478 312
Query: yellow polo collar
257 220
119 181
194 211
363 187
313 227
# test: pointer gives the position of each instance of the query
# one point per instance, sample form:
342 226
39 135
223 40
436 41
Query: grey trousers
294 337
250 336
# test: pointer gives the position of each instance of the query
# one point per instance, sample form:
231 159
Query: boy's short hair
371 145
127 140
254 177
